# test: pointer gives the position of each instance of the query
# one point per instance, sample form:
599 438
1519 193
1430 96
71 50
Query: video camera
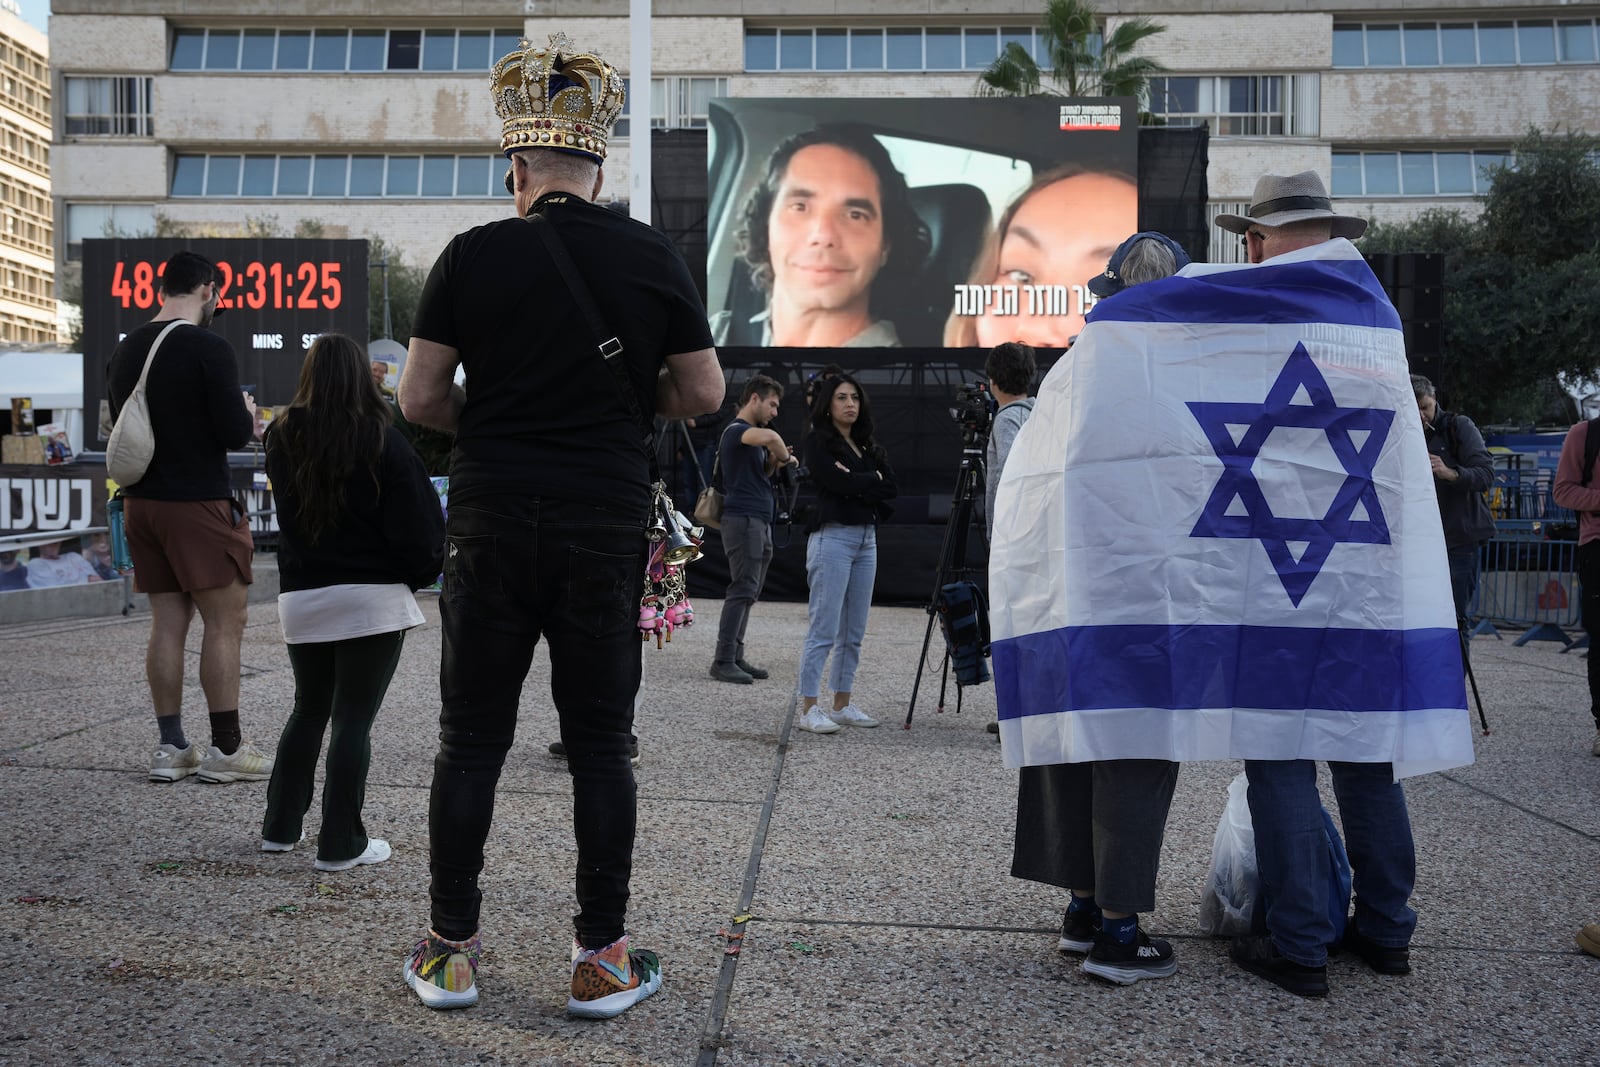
974 411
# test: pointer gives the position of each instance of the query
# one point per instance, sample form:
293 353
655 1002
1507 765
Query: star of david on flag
1217 535
1357 436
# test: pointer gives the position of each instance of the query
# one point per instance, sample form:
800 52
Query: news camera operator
854 483
1010 369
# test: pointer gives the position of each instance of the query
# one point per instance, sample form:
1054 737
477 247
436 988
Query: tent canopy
53 380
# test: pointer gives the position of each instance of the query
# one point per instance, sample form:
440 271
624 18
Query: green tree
1082 62
405 288
1520 316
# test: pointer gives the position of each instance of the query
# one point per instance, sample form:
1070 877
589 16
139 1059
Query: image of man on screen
828 231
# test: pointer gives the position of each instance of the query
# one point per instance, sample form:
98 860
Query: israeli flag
1217 536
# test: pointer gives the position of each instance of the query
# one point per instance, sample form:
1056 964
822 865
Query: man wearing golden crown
575 327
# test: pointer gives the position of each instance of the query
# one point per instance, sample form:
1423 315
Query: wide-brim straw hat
1281 199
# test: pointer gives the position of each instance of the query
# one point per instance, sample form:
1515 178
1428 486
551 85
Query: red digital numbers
301 286
142 292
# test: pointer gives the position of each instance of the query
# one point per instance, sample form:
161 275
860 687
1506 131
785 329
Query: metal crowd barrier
1528 573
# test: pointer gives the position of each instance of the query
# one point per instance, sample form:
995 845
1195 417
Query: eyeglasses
1244 239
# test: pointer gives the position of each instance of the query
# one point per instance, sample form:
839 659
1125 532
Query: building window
1432 174
676 103
1241 105
336 177
1524 42
107 107
106 220
329 50
937 48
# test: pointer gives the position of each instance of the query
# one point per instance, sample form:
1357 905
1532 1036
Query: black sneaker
1258 955
1143 957
559 751
1381 958
1078 929
730 672
751 669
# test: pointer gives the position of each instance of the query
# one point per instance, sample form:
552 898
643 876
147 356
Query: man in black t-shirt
189 539
750 452
549 500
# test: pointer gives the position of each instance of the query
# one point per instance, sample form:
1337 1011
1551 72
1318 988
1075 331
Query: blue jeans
747 542
573 575
1292 853
841 566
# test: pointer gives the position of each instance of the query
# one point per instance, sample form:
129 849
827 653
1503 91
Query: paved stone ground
142 924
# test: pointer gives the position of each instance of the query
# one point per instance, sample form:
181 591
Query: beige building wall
1383 110
27 262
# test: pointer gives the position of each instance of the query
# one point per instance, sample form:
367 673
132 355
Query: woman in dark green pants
360 531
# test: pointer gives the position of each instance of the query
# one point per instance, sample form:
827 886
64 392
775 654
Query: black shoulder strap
1591 449
607 343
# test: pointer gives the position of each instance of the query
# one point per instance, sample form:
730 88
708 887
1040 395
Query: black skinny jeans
1589 602
343 682
574 575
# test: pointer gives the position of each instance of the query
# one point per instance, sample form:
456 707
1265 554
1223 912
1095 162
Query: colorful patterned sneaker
608 981
1078 929
247 764
444 973
850 715
172 764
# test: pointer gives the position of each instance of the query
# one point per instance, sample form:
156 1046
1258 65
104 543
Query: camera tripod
952 561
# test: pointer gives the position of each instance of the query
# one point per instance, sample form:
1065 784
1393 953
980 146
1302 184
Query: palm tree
1082 62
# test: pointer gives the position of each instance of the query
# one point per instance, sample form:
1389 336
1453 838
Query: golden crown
556 97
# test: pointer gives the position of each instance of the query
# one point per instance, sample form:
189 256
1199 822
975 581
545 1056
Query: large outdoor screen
913 222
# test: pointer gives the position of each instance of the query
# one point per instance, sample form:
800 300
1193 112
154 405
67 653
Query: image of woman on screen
1028 283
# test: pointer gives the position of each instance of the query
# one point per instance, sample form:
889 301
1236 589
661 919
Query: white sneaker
816 721
377 851
850 715
247 764
279 846
172 764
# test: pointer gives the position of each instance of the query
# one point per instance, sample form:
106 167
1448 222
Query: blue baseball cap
1110 280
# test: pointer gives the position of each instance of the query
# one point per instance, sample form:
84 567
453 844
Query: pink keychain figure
651 619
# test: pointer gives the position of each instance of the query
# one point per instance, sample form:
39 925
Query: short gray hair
550 163
1147 261
1420 386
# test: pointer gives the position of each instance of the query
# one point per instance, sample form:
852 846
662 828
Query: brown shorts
179 546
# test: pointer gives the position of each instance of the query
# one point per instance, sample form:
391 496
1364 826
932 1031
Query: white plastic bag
1234 884
1229 898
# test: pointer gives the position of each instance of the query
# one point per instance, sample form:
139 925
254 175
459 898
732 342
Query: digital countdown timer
275 297
300 286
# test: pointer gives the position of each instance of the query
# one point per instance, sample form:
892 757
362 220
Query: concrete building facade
27 248
375 118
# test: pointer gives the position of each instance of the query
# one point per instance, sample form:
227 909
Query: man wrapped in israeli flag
1217 538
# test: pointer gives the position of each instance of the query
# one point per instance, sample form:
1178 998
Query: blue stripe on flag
1078 668
1337 291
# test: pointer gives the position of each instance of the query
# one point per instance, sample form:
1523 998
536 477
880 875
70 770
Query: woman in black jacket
360 530
854 482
